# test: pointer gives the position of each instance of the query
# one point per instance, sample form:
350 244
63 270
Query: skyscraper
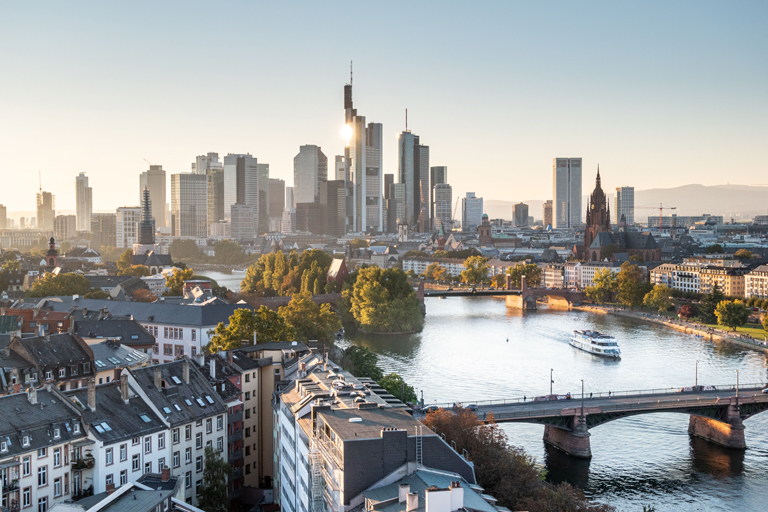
263 214
471 212
243 222
624 204
340 173
203 163
332 200
241 183
3 217
154 180
83 202
65 227
566 179
521 215
389 224
437 175
46 210
310 167
215 181
442 195
189 205
413 171
103 230
374 210
127 226
547 213
276 197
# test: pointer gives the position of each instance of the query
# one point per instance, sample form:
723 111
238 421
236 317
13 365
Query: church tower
598 214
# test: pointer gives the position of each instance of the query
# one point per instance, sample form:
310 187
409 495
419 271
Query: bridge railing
607 394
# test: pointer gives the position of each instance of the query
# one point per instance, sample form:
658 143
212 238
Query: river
478 349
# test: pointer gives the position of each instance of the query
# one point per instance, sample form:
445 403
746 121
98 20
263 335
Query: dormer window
3 446
49 375
25 441
76 428
56 433
86 367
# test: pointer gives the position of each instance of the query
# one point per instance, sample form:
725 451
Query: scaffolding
317 484
419 458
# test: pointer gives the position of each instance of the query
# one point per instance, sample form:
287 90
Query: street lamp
697 372
582 398
551 381
737 386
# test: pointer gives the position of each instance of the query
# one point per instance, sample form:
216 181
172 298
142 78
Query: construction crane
661 211
453 217
150 163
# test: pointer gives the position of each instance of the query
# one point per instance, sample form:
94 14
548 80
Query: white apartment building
553 275
127 226
572 274
756 283
683 277
453 267
471 212
587 271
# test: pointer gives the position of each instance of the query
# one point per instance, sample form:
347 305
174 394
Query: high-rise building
389 180
373 180
3 217
566 180
46 210
65 227
241 183
438 174
103 230
154 180
83 202
289 212
310 218
442 195
276 197
624 204
340 167
332 201
203 163
189 205
127 226
413 171
471 212
215 180
521 215
263 213
399 206
310 167
547 213
243 222
289 199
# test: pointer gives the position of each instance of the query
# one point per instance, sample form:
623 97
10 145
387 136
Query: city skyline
644 109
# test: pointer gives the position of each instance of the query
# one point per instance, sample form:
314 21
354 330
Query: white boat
596 343
239 270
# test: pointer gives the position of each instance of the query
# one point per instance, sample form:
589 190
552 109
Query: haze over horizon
659 95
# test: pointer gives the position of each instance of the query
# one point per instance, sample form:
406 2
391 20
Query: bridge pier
573 442
729 433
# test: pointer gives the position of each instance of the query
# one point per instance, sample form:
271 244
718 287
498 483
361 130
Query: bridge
468 293
716 412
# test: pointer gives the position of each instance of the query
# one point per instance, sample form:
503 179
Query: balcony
11 486
235 436
86 462
235 417
235 455
237 472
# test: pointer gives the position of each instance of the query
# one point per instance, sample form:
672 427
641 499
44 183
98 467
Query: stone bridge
716 413
558 298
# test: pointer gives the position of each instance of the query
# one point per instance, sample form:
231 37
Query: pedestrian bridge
716 412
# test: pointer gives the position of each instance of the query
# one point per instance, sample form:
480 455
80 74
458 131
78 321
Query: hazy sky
658 93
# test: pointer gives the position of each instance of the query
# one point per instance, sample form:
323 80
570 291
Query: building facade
624 204
127 222
521 215
310 167
103 230
566 179
547 213
65 227
154 179
83 202
189 205
442 206
471 212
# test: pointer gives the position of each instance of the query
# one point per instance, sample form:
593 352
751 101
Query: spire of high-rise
147 225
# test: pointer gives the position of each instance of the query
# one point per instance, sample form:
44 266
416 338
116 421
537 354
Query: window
147 444
194 334
135 463
161 441
57 487
194 351
247 450
188 456
62 373
27 497
199 440
198 484
147 467
199 423
73 370
247 431
209 444
219 422
247 377
25 441
109 480
247 413
176 459
26 466
199 464
108 456
160 463
56 433
123 452
42 504
86 368
3 446
175 436
220 444
42 452
188 432
188 480
42 476
247 395
136 440
165 332
123 477
178 350
66 483
76 428
57 457
209 425
167 349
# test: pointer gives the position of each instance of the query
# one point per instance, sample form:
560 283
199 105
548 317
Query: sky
660 94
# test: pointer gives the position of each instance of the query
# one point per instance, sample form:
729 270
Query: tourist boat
596 343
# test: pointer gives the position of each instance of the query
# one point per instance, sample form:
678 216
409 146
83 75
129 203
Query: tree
687 311
96 293
242 325
143 295
532 274
499 281
415 254
476 270
358 243
743 254
411 273
714 249
361 362
125 261
732 313
4 283
632 285
765 322
229 253
310 321
637 258
439 273
185 249
270 326
135 270
604 284
381 300
659 298
50 285
429 271
65 247
175 282
709 304
397 387
608 251
12 266
213 491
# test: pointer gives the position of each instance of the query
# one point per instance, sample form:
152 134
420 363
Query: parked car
472 407
449 289
765 390
431 408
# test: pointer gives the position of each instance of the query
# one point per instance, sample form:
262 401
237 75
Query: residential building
521 215
552 275
756 282
146 495
189 205
442 206
566 180
103 230
730 280
65 227
547 214
310 168
624 205
587 271
155 181
108 336
471 212
46 210
127 223
684 277
453 266
83 202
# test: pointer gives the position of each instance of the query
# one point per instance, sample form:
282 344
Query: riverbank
679 325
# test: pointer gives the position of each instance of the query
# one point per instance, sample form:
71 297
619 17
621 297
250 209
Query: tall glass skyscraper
310 168
83 202
413 171
566 181
241 184
624 204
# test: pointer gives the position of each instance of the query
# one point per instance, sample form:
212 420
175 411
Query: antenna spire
350 73
40 178
406 119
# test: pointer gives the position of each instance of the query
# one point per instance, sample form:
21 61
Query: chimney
85 312
229 356
457 496
437 500
124 387
92 394
110 488
412 501
16 388
403 492
165 474
158 379
185 370
32 394
212 365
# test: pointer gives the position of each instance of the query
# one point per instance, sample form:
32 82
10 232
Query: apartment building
453 267
756 282
730 280
553 275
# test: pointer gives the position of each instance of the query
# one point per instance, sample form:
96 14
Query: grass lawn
755 330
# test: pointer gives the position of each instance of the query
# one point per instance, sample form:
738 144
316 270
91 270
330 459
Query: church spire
597 181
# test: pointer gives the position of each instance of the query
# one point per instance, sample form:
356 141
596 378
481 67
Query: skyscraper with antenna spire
46 209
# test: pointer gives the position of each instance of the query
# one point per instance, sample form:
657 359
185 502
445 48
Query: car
472 407
765 390
449 289
431 408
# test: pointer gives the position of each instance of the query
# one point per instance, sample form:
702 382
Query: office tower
103 230
189 205
204 163
243 222
83 202
310 218
624 204
46 210
3 217
399 209
289 220
566 204
332 201
340 173
413 171
263 214
437 175
276 197
65 227
241 183
310 167
127 226
389 180
426 217
154 180
521 215
215 182
289 200
372 180
547 213
442 194
471 212
22 223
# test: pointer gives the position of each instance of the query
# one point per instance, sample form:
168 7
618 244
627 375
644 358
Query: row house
756 283
730 280
453 267
553 275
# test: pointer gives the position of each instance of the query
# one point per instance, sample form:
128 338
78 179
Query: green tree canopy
50 285
608 251
310 321
709 303
242 325
12 266
632 285
185 249
361 362
382 300
765 322
274 274
358 243
229 253
732 313
270 326
531 271
636 258
125 261
714 249
397 387
743 254
135 270
604 284
660 298
457 255
415 254
175 282
96 293
213 491
476 270
4 283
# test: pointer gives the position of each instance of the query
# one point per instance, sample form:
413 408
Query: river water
478 349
